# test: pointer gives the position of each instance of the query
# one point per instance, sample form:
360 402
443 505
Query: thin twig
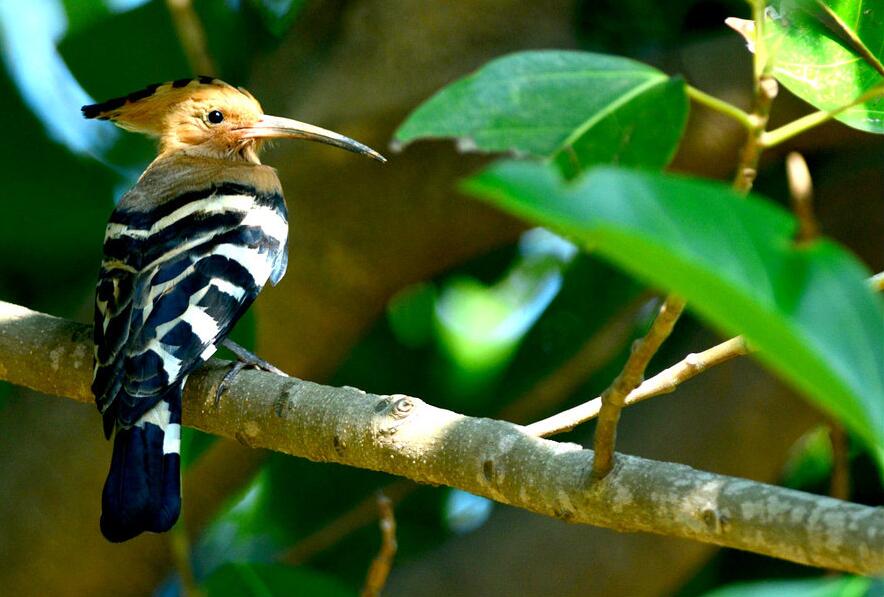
664 382
631 376
192 36
380 566
801 192
361 515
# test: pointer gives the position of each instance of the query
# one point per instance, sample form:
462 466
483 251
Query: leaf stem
805 123
720 106
796 127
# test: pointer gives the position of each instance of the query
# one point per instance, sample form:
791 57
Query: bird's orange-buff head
210 118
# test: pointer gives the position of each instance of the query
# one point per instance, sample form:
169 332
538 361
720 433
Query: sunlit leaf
848 586
577 108
480 326
829 52
808 310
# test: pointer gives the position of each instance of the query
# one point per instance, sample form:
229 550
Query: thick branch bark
405 436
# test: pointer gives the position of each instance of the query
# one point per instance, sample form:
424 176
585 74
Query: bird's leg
244 359
250 359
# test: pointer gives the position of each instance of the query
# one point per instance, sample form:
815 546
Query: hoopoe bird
186 252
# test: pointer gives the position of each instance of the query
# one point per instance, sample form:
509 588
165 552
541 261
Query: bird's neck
247 152
172 169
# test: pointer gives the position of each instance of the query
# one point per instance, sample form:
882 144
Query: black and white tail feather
174 280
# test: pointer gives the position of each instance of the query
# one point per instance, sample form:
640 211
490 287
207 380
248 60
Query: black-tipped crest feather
103 110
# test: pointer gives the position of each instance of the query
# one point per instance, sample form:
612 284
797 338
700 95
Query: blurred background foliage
398 285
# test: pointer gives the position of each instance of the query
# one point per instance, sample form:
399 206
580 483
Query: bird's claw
228 377
245 359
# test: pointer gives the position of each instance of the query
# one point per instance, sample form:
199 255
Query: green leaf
808 310
848 586
828 53
577 108
270 580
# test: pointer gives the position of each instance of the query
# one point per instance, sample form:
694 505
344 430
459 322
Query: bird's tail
143 487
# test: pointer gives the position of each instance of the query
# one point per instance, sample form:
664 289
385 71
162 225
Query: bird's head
207 117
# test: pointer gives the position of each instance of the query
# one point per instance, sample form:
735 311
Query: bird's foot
245 359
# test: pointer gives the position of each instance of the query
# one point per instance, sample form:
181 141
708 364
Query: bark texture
405 436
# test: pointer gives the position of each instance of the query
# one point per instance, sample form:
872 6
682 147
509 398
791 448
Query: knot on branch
393 410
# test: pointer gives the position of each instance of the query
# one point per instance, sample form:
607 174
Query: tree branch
407 437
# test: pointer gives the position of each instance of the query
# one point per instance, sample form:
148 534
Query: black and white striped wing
199 262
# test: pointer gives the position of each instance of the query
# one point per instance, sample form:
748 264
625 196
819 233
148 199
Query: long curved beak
274 127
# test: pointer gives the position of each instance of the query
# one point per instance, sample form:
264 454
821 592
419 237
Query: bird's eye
215 117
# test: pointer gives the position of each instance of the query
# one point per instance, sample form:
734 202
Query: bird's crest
144 110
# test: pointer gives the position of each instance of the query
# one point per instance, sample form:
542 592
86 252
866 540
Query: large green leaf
577 108
829 52
808 310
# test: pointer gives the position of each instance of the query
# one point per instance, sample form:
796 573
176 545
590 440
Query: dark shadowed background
396 283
